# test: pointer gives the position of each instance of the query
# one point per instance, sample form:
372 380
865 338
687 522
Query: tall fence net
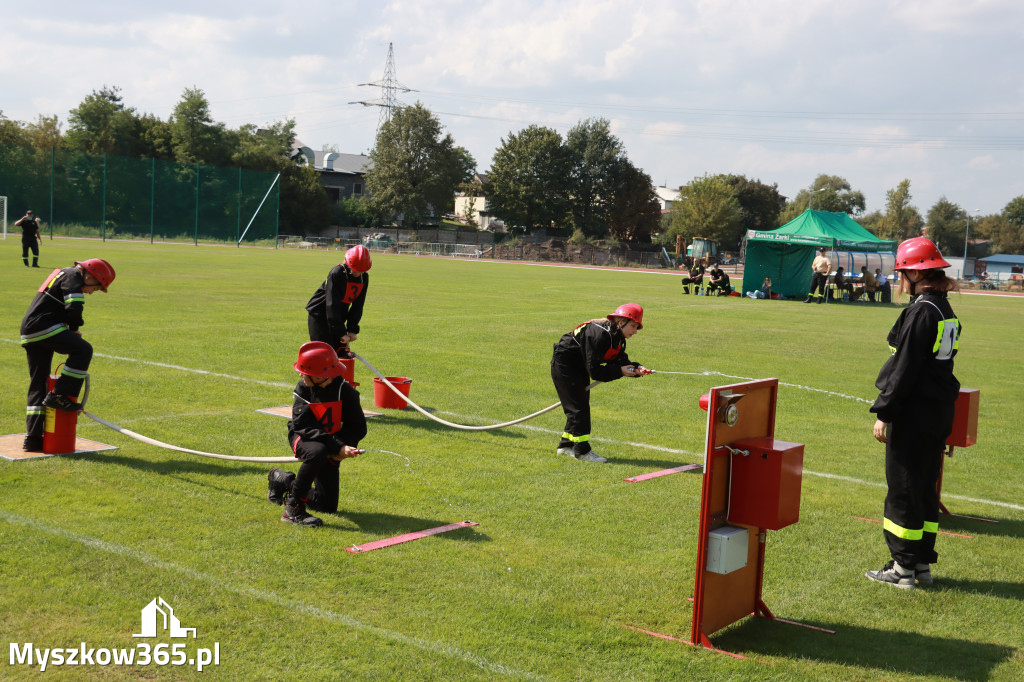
116 197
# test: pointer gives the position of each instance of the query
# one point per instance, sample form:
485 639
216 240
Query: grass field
191 341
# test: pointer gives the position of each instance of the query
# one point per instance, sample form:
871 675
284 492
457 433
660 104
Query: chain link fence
115 197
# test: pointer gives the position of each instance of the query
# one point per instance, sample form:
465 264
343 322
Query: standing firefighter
595 350
51 326
326 426
337 305
29 237
915 406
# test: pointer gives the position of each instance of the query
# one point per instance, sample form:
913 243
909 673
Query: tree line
103 124
583 183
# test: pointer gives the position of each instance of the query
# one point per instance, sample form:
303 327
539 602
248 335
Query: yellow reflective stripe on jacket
947 339
901 532
575 439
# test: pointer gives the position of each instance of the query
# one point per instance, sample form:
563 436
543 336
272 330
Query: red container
386 398
59 432
348 370
765 489
965 419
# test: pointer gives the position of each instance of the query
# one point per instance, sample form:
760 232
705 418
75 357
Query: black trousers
697 281
818 282
913 460
317 479
69 383
30 245
571 385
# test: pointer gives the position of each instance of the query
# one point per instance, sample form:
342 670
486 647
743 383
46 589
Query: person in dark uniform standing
326 426
595 350
51 326
336 307
29 237
915 408
696 277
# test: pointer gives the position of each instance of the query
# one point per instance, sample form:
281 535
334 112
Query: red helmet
919 253
317 359
631 311
358 258
100 269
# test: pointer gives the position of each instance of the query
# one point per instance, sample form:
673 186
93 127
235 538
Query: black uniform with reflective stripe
917 397
60 302
594 350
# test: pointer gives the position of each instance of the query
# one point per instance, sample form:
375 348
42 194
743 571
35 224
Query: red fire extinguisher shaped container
59 432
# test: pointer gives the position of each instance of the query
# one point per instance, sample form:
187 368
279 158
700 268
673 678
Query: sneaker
923 573
808 300
61 402
590 456
32 444
279 484
821 299
894 574
565 451
295 512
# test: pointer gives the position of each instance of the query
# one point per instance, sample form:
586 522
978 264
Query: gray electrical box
727 549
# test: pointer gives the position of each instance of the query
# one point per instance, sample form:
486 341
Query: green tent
785 253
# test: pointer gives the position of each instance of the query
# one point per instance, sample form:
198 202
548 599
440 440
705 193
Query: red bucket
348 370
385 397
60 426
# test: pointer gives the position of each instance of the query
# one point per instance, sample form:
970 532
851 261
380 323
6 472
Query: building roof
1009 258
667 194
352 164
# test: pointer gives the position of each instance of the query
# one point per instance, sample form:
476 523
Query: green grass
565 554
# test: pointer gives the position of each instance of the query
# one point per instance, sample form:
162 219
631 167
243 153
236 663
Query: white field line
265 596
645 446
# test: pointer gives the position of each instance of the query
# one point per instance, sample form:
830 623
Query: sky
780 91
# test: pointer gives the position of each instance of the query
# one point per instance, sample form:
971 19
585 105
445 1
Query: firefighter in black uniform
51 326
337 305
595 350
719 282
915 407
29 237
326 426
696 277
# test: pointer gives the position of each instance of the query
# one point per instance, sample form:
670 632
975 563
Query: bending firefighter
595 350
915 406
51 326
337 305
326 426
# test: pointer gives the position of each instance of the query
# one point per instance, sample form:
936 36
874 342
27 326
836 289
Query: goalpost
3 214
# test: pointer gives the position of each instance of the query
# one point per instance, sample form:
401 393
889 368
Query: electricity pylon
388 85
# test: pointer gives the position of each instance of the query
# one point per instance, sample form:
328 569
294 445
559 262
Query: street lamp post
967 235
810 202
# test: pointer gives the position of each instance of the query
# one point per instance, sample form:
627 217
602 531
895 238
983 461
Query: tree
45 132
947 227
901 220
11 132
760 204
416 168
101 124
826 193
195 137
709 210
1014 211
527 185
594 158
634 213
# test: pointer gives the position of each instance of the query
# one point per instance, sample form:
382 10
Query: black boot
61 402
32 444
279 482
295 512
